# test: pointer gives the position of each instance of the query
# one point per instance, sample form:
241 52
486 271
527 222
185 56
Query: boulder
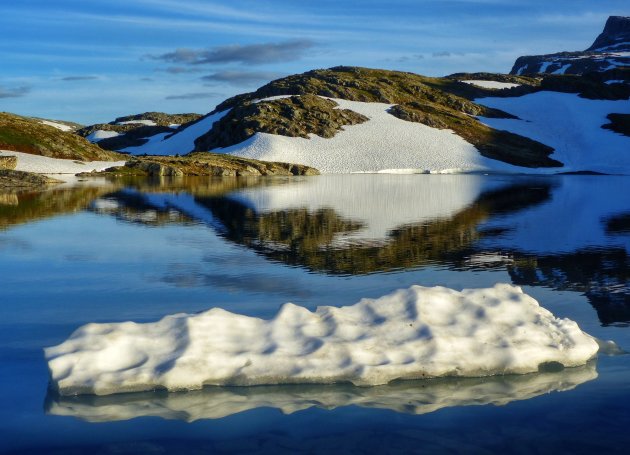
8 162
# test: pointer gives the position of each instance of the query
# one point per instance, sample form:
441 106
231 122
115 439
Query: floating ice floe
412 333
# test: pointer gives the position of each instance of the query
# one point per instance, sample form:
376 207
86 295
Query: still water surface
140 250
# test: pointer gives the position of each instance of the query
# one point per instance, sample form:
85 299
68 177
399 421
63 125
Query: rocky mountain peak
609 53
616 35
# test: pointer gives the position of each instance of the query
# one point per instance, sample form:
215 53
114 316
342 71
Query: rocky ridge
609 51
23 134
134 130
204 164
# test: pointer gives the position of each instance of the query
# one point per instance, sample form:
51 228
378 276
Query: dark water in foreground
141 250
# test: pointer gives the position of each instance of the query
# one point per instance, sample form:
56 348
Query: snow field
44 165
492 84
383 142
59 126
138 122
571 125
99 135
411 333
179 143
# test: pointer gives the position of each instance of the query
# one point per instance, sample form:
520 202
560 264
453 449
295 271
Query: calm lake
101 251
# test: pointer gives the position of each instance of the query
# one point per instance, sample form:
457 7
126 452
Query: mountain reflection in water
563 232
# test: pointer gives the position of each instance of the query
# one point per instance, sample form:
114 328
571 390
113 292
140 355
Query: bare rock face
207 164
156 169
608 52
8 162
616 35
297 116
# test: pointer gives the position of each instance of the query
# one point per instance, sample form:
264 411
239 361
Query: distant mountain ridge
610 51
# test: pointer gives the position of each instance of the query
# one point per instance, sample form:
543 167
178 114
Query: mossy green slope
21 134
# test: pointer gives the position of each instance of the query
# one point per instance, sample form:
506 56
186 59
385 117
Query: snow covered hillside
384 143
571 125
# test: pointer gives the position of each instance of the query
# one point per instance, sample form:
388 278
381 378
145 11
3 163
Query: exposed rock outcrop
20 181
206 164
297 116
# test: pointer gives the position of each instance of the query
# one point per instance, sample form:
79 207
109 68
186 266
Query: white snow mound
99 135
492 84
59 126
45 165
412 333
138 122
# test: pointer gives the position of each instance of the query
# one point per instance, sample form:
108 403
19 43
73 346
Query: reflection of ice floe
410 397
412 333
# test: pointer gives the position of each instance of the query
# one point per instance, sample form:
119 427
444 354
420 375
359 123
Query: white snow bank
412 333
138 122
409 397
99 135
569 124
383 142
44 165
492 84
59 126
181 142
273 98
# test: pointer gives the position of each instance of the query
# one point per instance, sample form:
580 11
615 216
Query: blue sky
93 60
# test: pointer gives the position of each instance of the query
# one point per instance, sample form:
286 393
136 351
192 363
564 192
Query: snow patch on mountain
571 125
384 142
180 142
